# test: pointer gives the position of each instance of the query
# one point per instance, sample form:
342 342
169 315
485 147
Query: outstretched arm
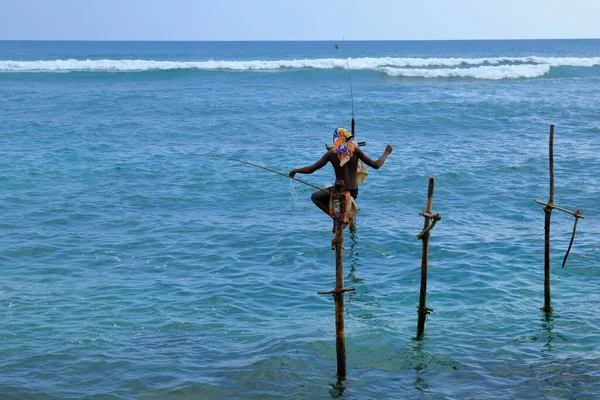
311 168
374 164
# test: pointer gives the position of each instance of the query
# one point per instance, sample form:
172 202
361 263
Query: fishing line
293 195
265 168
576 262
350 80
352 130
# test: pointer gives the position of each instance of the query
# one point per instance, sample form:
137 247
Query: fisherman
344 157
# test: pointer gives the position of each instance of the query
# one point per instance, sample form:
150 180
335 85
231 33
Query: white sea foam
482 72
478 68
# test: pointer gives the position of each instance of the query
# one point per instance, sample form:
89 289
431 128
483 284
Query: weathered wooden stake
340 335
549 206
547 213
423 310
338 292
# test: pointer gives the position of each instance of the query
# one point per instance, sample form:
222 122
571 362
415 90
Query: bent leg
321 200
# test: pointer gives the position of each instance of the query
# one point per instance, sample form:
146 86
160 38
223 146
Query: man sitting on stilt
344 157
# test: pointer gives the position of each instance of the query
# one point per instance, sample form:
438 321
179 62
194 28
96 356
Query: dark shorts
322 196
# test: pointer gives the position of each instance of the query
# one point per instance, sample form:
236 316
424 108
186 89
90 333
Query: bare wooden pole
340 335
338 296
551 163
548 213
547 305
423 310
338 292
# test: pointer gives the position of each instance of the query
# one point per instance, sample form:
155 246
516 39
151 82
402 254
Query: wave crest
483 72
477 68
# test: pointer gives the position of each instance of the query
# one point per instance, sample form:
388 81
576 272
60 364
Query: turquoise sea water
135 267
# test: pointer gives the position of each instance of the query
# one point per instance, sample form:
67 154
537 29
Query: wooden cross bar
577 213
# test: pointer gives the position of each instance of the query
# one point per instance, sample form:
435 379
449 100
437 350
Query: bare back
348 173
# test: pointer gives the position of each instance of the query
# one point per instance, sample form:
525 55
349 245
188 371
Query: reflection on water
421 383
548 326
337 389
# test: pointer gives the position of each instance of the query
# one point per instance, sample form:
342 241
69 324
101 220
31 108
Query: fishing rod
265 168
337 47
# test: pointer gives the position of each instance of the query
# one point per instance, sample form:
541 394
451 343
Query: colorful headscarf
343 145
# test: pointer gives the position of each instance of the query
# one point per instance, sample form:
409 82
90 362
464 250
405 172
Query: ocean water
135 266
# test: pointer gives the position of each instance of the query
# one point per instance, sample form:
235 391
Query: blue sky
297 19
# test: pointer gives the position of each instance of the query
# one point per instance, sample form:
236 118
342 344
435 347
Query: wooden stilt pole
548 213
338 292
428 224
549 206
340 335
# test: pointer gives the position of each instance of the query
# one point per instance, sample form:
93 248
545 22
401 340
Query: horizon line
286 40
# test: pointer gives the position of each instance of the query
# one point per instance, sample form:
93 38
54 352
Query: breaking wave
476 68
483 72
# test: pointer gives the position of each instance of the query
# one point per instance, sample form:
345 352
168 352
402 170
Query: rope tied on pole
434 219
336 241
424 310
